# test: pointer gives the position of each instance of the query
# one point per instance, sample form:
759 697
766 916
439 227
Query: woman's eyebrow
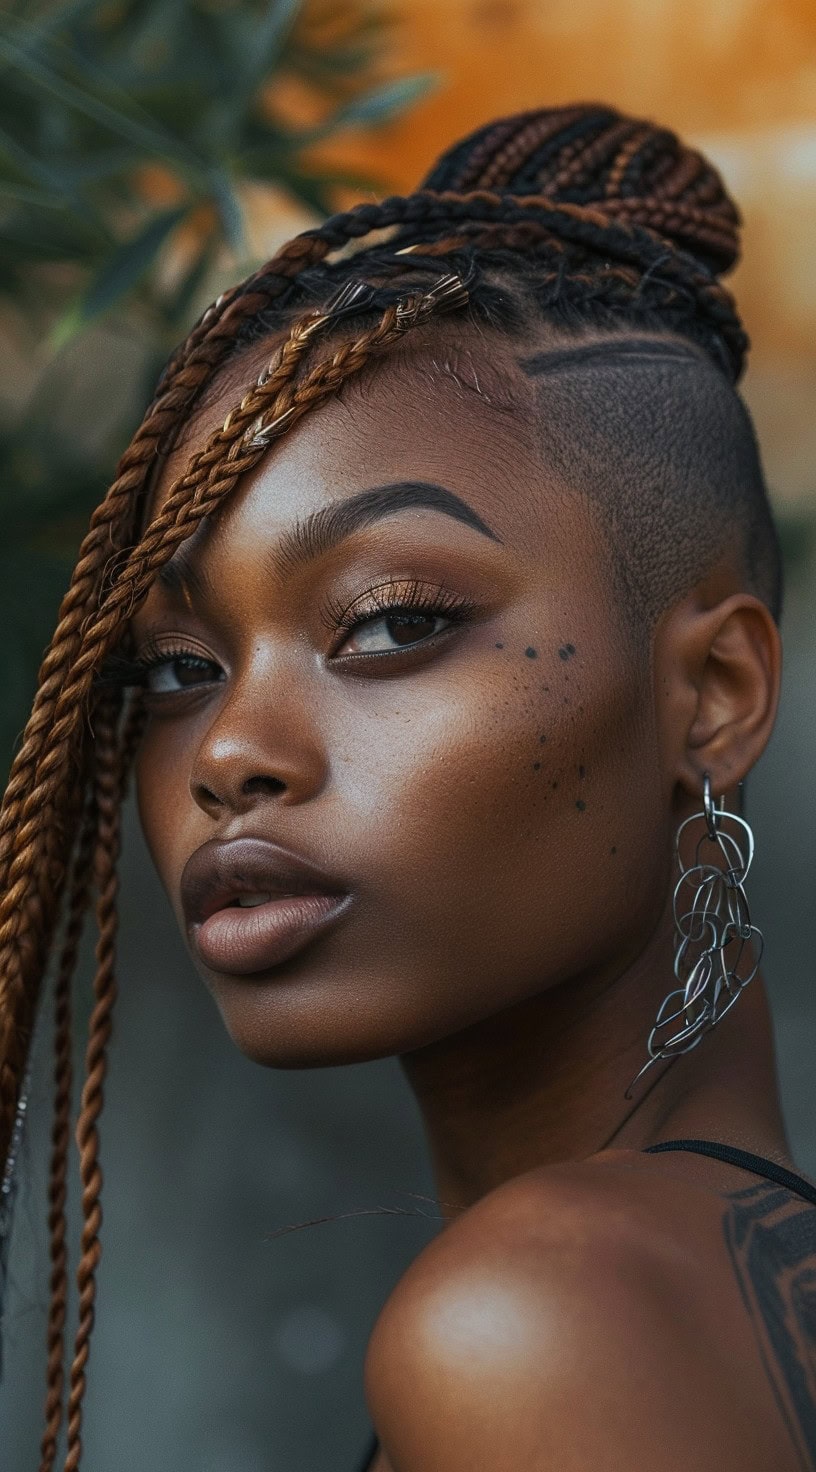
325 528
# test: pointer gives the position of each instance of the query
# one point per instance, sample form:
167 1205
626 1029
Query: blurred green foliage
131 133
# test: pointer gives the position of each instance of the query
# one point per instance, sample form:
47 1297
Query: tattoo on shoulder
771 1238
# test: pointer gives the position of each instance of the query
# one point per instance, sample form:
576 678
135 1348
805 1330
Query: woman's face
434 706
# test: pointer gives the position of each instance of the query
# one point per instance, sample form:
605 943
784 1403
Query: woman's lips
250 904
239 941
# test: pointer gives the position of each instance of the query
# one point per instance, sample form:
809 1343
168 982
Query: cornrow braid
578 213
589 154
582 155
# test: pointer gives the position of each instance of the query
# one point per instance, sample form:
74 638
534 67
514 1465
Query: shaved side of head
662 445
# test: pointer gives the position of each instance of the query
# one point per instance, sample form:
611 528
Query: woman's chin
281 1034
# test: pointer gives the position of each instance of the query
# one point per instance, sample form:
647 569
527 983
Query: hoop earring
713 929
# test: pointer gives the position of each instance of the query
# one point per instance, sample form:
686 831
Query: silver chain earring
713 931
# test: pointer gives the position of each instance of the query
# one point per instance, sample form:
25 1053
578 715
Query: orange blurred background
737 78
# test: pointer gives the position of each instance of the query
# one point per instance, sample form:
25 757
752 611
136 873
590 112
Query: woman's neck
545 1081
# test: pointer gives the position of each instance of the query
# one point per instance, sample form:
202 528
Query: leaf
373 107
39 199
311 190
34 168
118 276
269 36
150 137
184 300
229 211
315 187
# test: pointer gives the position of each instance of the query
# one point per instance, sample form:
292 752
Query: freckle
613 850
582 771
555 784
536 766
530 652
580 805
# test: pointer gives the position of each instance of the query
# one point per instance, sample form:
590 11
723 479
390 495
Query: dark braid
585 155
578 214
636 189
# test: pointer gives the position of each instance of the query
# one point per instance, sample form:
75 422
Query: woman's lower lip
240 941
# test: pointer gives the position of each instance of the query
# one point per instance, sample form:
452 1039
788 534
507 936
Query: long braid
107 791
212 475
582 207
210 340
80 887
37 787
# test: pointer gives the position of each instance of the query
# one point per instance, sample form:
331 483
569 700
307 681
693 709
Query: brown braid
80 888
275 402
211 476
27 909
107 793
588 212
579 155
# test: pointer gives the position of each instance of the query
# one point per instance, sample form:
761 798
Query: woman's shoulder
587 1309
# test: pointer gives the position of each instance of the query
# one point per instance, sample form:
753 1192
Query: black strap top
758 1165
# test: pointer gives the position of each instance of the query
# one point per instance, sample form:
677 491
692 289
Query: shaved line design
644 349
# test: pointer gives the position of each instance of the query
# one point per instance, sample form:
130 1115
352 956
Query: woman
441 699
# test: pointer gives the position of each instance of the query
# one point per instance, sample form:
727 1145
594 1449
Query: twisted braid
107 794
584 155
30 898
27 911
639 232
210 340
80 887
576 206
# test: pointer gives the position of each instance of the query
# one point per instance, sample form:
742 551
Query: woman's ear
721 670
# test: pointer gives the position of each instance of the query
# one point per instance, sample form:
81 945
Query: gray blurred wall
220 1348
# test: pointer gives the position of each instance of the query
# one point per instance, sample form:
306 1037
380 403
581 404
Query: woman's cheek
163 797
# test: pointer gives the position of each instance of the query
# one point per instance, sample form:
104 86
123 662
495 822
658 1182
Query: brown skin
505 821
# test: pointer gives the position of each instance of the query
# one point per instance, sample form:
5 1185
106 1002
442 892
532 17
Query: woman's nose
256 748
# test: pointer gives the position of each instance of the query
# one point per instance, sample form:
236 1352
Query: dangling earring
713 925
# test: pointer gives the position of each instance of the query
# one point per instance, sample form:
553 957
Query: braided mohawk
577 215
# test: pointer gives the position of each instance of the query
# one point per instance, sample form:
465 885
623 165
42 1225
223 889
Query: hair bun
630 170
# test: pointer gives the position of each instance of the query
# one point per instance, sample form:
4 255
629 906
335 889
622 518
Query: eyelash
415 597
129 671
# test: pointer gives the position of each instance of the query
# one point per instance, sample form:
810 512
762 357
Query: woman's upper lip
221 870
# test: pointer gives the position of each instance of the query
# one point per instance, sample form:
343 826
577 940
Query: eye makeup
404 606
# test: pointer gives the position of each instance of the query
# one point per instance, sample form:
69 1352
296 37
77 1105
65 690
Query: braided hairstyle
579 215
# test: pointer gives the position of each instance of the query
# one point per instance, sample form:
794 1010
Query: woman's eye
179 672
393 631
